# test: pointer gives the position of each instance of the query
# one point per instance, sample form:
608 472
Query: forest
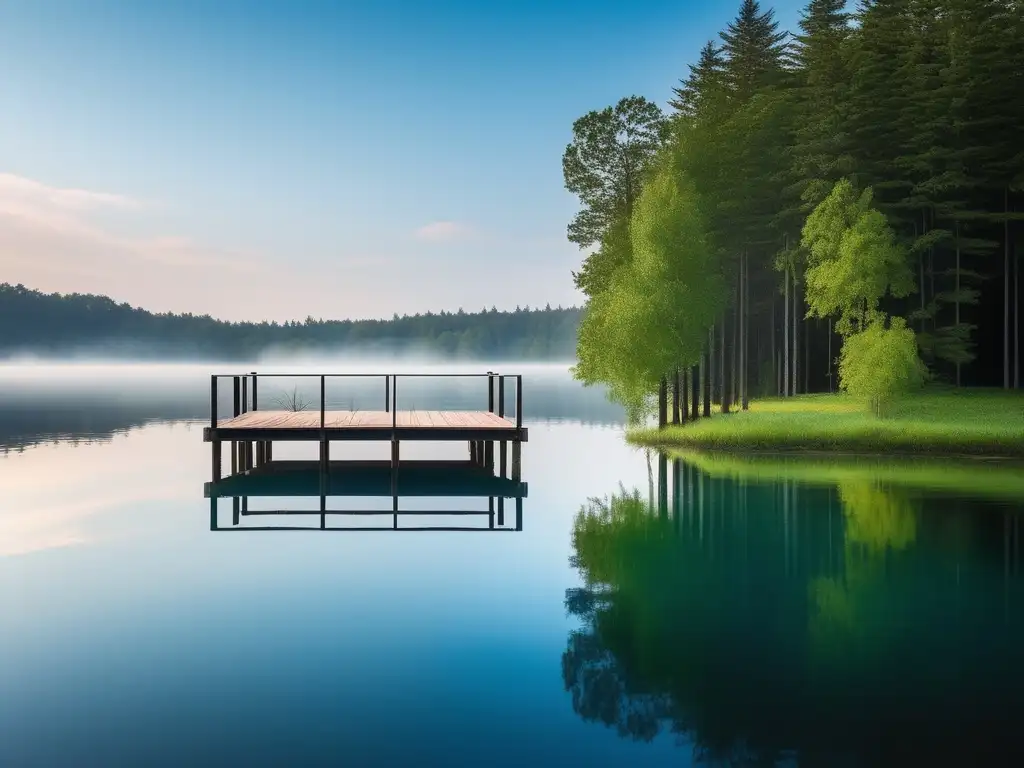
54 324
837 207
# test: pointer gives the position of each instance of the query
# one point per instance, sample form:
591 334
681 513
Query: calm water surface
649 612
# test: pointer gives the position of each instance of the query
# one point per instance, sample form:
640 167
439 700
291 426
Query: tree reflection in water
778 623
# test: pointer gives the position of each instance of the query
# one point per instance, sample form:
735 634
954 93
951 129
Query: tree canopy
865 168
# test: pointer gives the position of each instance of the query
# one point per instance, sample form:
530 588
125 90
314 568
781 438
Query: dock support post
519 513
501 510
216 458
215 444
213 512
517 455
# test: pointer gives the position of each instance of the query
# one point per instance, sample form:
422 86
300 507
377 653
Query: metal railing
241 400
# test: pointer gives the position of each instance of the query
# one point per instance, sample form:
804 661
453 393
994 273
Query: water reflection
845 623
456 492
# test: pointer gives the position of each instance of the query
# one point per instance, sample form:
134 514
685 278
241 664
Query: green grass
975 422
1000 480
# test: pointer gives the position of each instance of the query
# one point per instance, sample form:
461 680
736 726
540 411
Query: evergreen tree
705 80
755 49
820 151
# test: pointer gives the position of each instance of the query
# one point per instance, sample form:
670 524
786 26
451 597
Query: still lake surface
651 611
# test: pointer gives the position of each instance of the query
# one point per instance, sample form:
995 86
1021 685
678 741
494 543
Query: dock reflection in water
462 497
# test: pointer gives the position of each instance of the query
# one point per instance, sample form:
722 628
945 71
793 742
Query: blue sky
281 159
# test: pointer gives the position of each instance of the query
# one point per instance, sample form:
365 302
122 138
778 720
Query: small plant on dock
293 401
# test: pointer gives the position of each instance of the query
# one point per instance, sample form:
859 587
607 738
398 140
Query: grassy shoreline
937 422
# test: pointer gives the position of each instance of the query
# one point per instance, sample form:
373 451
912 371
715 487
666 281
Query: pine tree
703 83
820 153
756 51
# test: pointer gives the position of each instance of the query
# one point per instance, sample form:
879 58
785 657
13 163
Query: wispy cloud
18 189
59 226
443 232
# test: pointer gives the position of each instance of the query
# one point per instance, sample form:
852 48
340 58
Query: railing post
387 393
213 402
245 394
394 402
324 456
254 390
235 392
215 439
519 401
490 391
503 445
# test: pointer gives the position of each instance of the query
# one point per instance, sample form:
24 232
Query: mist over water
45 399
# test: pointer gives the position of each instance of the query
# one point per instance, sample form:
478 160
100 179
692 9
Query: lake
652 610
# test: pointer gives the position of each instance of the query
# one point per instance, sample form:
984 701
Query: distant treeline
53 324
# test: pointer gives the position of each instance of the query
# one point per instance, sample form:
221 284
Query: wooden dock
251 431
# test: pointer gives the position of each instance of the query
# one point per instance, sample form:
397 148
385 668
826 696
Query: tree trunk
744 382
708 357
1006 288
807 360
920 269
675 397
796 347
957 301
775 367
829 366
686 396
778 372
695 404
663 402
785 335
1016 321
734 373
724 378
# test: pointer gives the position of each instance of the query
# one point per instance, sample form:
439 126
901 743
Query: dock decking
370 425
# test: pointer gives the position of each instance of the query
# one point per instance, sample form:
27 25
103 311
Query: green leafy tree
605 165
879 363
853 259
655 314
